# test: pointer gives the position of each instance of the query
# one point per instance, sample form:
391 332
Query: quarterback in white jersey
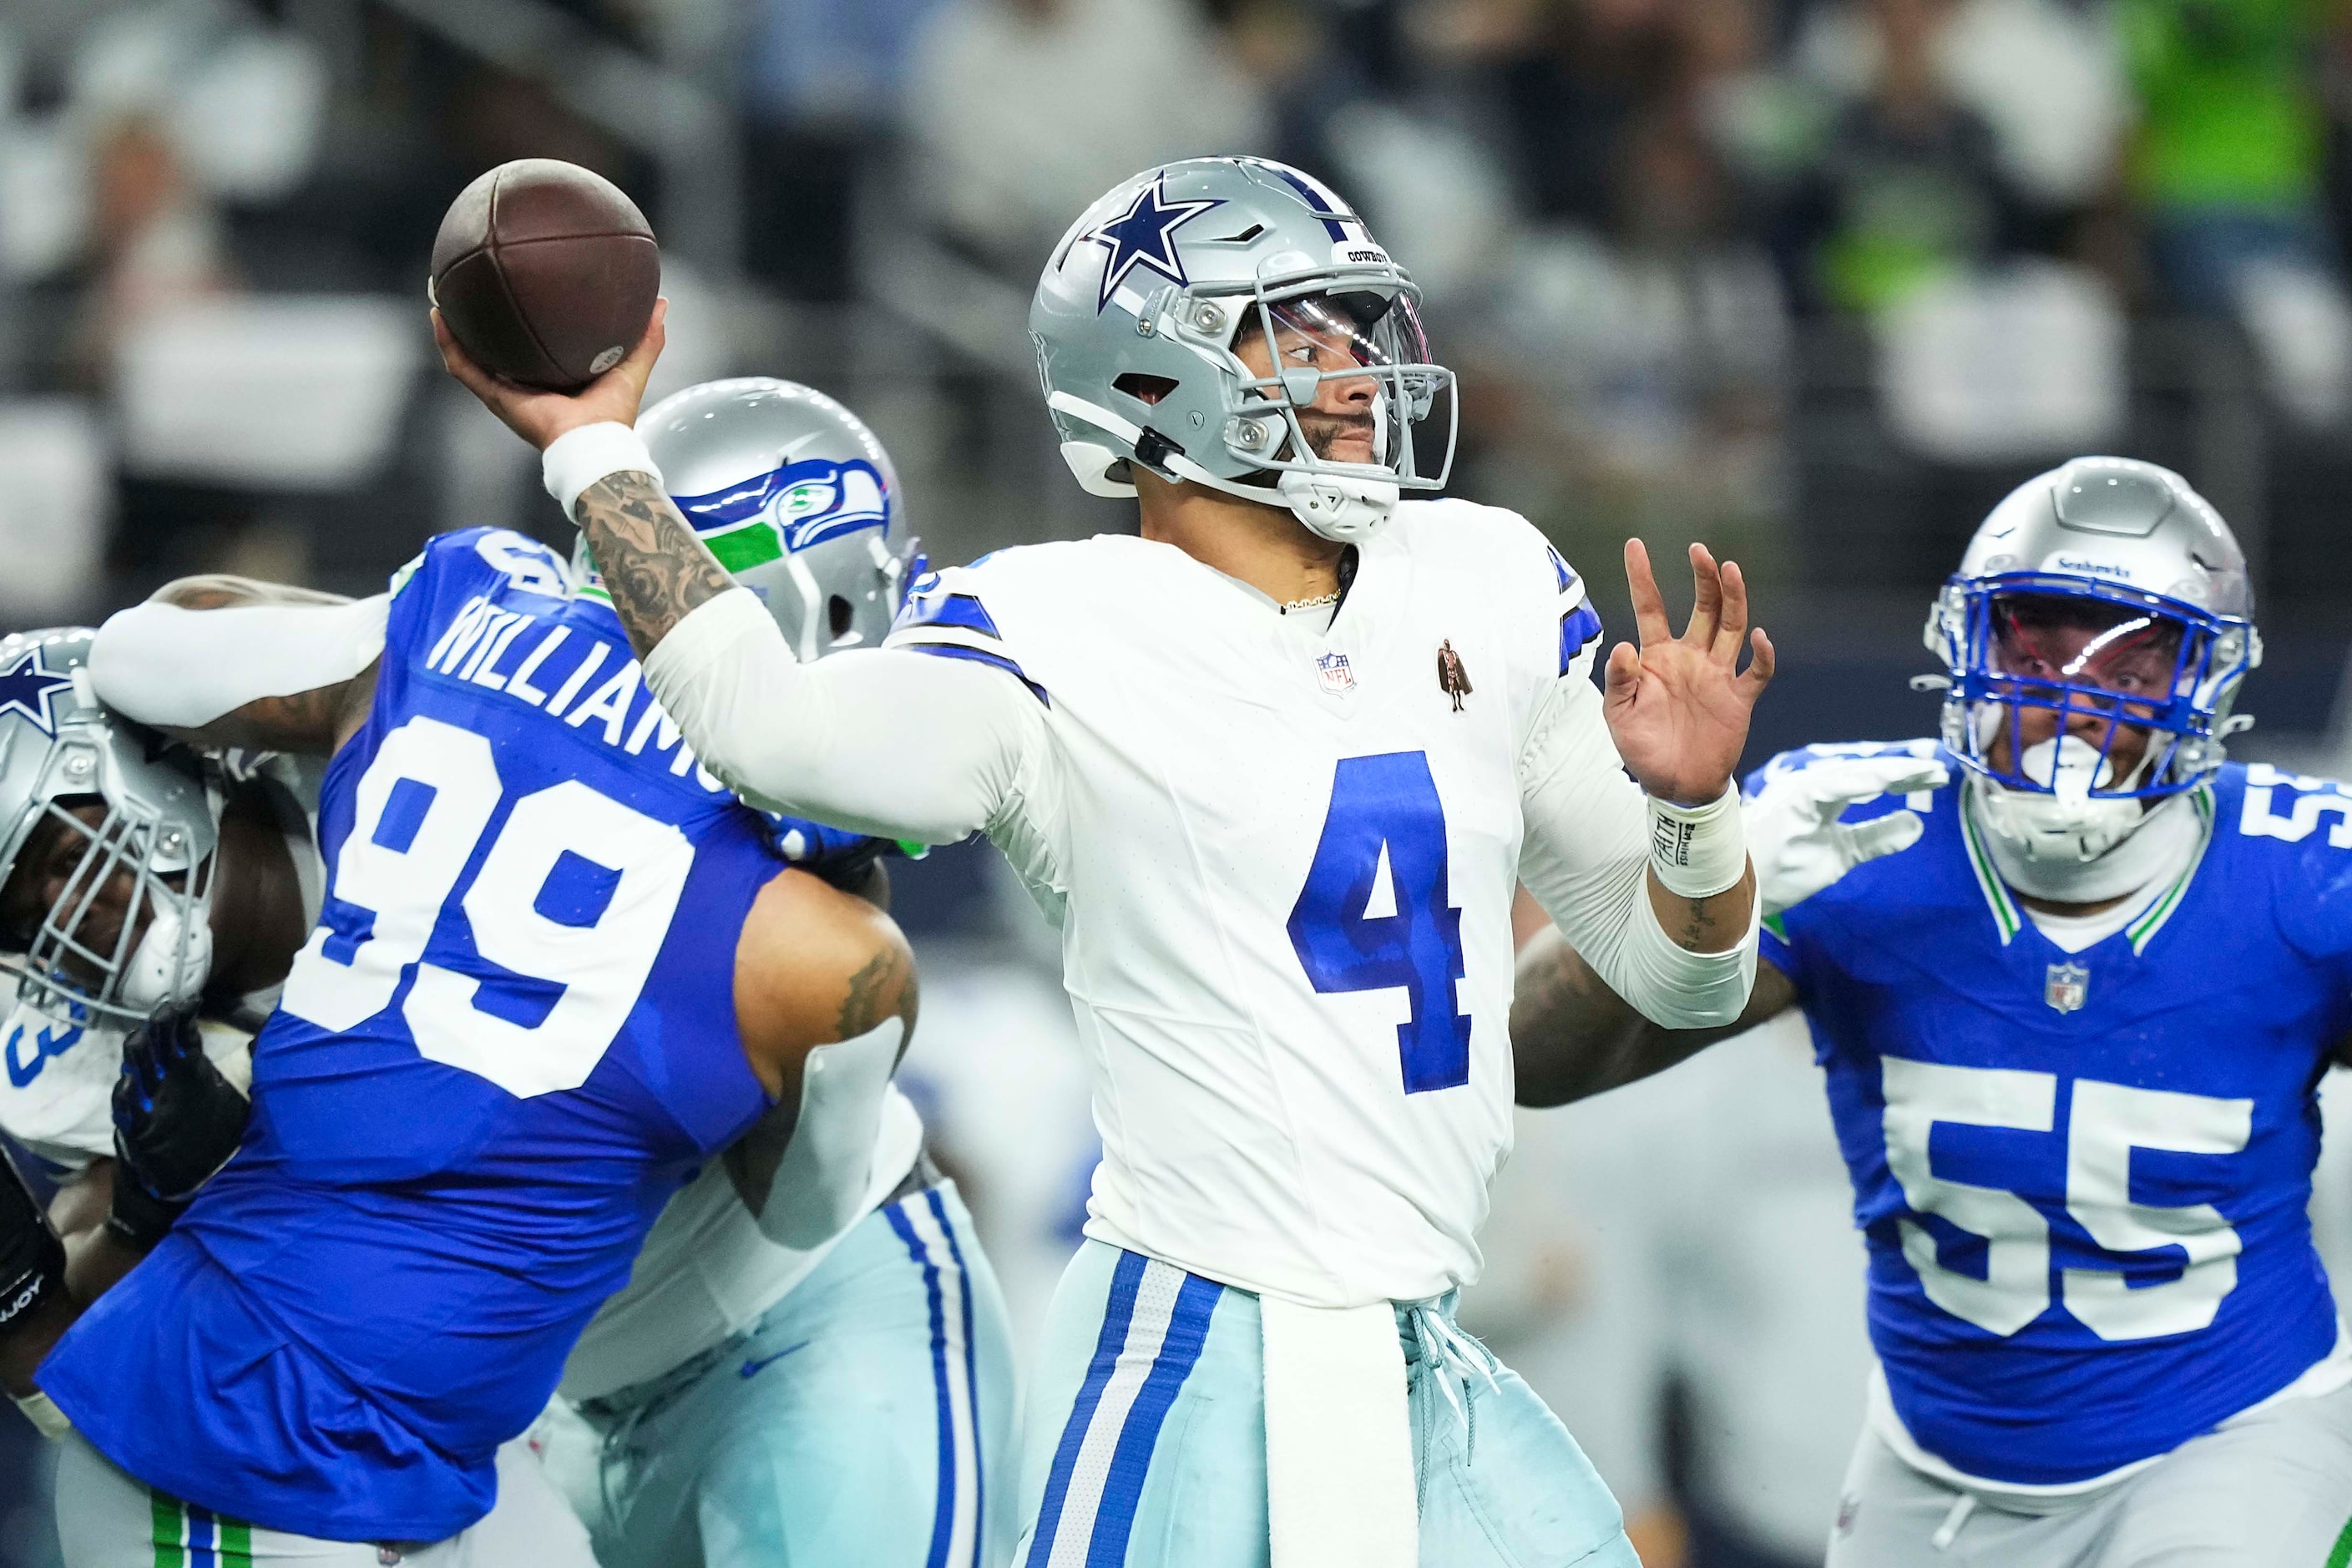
1273 768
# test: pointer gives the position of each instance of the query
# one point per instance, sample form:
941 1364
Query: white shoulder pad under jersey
1285 860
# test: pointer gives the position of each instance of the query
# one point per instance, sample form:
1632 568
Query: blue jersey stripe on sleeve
982 656
1577 630
960 610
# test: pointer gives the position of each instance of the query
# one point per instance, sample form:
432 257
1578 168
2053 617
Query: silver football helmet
2110 590
798 500
130 927
1138 316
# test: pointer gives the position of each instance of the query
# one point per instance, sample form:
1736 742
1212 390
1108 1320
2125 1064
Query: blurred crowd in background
1816 280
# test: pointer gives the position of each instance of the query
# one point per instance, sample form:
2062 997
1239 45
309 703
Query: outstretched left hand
1678 707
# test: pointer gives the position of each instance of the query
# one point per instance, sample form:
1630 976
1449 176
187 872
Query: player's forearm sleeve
827 1172
162 664
1586 860
884 742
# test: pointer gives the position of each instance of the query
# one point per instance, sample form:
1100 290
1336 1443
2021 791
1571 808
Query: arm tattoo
876 992
1551 996
656 569
883 989
1698 925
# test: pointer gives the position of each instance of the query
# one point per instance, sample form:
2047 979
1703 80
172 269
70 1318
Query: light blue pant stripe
943 1503
1118 1314
971 1363
1131 1466
1149 1469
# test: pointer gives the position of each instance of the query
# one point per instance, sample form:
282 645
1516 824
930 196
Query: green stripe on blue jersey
2145 927
1996 892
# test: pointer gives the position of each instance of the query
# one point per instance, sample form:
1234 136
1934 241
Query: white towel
1338 1439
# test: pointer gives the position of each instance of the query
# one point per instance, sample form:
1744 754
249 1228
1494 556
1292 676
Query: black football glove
176 1122
32 1259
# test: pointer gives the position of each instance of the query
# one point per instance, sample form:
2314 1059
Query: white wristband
1697 851
587 453
43 1413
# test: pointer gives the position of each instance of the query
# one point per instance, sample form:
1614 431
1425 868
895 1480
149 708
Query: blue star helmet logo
1145 235
29 687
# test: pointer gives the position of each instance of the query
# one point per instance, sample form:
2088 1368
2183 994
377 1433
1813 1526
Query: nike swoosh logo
753 1368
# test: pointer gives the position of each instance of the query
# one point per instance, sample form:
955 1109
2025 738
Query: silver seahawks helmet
130 928
2105 591
797 499
1140 314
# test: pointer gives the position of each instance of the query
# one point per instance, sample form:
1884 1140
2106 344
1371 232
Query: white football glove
1794 836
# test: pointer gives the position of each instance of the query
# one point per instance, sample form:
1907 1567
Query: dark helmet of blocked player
124 820
1147 299
797 499
2109 596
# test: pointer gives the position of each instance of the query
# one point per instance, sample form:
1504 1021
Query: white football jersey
1282 859
56 1082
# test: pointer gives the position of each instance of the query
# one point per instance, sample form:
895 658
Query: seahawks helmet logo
788 510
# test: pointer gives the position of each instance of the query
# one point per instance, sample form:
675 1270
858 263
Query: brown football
546 273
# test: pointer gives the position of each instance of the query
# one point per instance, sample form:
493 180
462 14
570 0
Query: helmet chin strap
2069 846
1340 508
1344 507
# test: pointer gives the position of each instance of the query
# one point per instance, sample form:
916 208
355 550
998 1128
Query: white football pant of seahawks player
832 1381
2073 979
1273 768
131 876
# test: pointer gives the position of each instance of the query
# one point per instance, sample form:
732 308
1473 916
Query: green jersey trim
2145 927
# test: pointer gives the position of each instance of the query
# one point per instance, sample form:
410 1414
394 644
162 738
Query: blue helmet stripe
1316 199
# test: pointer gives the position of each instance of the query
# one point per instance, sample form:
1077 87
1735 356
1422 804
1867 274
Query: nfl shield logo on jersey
2067 987
1331 669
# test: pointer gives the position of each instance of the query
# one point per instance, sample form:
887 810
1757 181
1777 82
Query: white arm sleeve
887 742
1587 859
826 1174
162 664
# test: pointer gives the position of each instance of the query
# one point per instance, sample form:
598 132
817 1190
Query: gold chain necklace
1315 603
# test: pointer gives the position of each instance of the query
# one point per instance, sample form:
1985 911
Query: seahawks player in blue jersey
709 1393
2072 980
557 969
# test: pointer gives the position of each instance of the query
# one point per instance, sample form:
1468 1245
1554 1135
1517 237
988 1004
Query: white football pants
2271 1490
107 1519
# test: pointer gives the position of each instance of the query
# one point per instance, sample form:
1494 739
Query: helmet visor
2122 674
1346 376
2122 650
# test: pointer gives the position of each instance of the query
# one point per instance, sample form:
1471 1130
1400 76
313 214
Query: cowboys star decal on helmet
27 686
1145 235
